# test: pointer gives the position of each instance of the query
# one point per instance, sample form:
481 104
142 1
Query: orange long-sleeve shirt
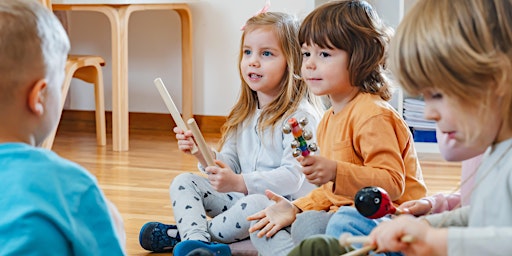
373 147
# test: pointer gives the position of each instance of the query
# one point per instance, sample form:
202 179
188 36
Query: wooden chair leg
99 97
93 74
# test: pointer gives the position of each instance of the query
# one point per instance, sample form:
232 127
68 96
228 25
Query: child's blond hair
33 45
460 48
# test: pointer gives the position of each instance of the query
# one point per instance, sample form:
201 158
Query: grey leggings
194 199
307 224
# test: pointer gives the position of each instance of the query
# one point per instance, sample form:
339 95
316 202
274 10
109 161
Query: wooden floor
137 181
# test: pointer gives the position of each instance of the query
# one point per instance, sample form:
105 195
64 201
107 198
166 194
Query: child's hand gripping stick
172 108
301 136
374 203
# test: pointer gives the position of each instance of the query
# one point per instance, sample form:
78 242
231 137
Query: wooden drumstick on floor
176 116
201 143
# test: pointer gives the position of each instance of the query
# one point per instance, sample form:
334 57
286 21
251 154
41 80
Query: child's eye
306 54
432 95
267 53
436 96
247 52
324 54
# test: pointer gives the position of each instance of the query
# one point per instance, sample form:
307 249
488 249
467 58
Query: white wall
155 51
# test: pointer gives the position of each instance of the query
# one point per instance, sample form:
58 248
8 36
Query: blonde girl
254 152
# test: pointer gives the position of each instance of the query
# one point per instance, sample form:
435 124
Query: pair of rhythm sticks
192 125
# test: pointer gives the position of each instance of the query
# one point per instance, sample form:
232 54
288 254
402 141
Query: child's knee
349 220
318 245
179 182
347 212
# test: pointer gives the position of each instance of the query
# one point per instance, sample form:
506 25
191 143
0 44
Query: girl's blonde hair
461 48
292 89
352 26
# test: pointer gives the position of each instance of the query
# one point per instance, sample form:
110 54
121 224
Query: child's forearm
444 202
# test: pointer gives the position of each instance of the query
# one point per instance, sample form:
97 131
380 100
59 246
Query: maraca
374 203
301 135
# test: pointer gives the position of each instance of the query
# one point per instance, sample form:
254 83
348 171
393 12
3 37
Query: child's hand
416 207
318 170
185 140
387 236
224 180
275 217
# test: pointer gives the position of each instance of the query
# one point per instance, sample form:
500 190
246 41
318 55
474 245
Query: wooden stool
88 69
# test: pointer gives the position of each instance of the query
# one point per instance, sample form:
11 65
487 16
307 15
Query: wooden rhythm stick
172 108
346 239
201 143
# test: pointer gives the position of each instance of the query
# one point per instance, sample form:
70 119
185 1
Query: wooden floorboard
137 181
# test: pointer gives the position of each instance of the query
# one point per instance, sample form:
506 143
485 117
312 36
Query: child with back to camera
255 153
362 139
457 54
49 205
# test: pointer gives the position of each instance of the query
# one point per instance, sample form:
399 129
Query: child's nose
308 63
254 61
431 113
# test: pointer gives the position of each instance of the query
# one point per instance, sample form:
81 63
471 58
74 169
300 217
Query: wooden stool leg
93 74
99 98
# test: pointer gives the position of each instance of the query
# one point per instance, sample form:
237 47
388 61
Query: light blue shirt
51 206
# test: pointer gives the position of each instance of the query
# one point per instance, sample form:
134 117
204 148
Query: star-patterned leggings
194 199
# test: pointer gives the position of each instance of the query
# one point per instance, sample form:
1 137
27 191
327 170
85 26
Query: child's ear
36 97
